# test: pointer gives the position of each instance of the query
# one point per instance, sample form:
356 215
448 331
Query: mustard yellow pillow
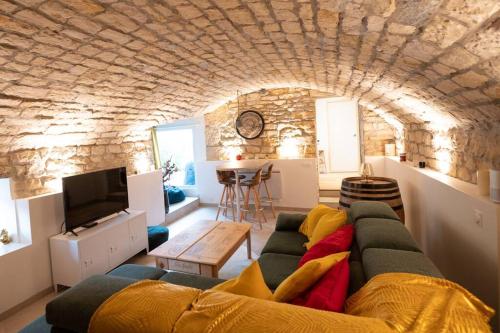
307 227
250 283
327 224
305 277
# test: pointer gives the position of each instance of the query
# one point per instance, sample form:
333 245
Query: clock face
250 124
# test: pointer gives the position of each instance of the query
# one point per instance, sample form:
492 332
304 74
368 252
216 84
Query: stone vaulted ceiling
111 66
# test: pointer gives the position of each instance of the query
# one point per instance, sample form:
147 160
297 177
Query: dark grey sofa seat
276 267
286 242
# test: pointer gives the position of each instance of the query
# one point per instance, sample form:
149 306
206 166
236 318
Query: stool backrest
224 176
256 178
267 174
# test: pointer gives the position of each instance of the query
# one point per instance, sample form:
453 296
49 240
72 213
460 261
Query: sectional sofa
382 244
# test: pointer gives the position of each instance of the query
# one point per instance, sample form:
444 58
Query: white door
338 134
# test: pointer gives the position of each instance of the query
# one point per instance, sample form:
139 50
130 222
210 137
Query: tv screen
91 196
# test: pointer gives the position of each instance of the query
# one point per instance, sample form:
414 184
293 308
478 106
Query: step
329 193
180 209
329 201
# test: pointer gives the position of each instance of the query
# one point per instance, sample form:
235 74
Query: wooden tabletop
208 242
242 165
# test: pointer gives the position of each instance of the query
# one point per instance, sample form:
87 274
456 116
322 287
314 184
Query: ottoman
157 235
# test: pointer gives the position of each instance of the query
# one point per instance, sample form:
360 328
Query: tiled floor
232 268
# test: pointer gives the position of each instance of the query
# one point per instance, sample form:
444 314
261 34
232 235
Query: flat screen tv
91 196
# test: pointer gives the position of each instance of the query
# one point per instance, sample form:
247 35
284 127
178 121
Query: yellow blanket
388 303
416 303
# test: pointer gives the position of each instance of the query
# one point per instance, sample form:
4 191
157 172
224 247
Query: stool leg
269 197
220 203
233 195
257 207
225 200
246 206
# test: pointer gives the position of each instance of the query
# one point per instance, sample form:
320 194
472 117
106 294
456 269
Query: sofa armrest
289 222
73 309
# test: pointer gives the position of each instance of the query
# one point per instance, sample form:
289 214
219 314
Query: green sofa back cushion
375 209
383 234
378 261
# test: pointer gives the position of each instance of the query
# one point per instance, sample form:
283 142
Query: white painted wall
26 272
8 209
439 213
297 185
145 192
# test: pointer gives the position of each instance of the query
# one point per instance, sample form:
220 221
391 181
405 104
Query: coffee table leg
215 272
249 245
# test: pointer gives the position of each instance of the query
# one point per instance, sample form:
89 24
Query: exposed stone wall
38 171
456 152
106 69
288 112
376 133
42 141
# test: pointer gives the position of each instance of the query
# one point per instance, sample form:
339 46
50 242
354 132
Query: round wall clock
250 124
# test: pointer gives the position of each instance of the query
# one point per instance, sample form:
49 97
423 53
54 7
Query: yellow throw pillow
327 224
249 283
305 277
307 227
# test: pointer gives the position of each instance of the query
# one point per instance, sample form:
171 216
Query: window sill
12 247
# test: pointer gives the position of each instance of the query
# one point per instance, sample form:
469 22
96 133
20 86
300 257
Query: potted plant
169 167
173 194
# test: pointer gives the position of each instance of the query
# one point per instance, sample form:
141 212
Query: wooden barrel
376 189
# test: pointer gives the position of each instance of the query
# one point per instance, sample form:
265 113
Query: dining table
239 167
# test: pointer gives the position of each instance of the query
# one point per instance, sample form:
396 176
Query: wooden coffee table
204 248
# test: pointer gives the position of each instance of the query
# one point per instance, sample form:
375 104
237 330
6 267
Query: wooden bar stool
252 186
266 175
226 178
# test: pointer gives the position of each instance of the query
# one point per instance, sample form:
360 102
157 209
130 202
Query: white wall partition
455 227
26 272
145 192
295 182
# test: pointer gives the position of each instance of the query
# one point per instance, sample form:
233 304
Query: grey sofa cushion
190 280
289 222
277 267
384 234
286 242
73 309
375 209
139 272
379 261
357 277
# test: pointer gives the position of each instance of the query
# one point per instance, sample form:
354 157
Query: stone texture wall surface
456 152
288 113
376 133
106 68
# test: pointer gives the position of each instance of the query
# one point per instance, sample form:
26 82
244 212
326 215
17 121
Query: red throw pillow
338 241
330 292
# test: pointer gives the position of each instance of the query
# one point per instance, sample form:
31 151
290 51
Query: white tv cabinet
97 250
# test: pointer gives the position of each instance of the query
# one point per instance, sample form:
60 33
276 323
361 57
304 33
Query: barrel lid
375 182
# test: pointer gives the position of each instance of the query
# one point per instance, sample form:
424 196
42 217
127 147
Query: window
176 144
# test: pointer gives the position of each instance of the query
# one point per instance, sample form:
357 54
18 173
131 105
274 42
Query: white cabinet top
84 233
